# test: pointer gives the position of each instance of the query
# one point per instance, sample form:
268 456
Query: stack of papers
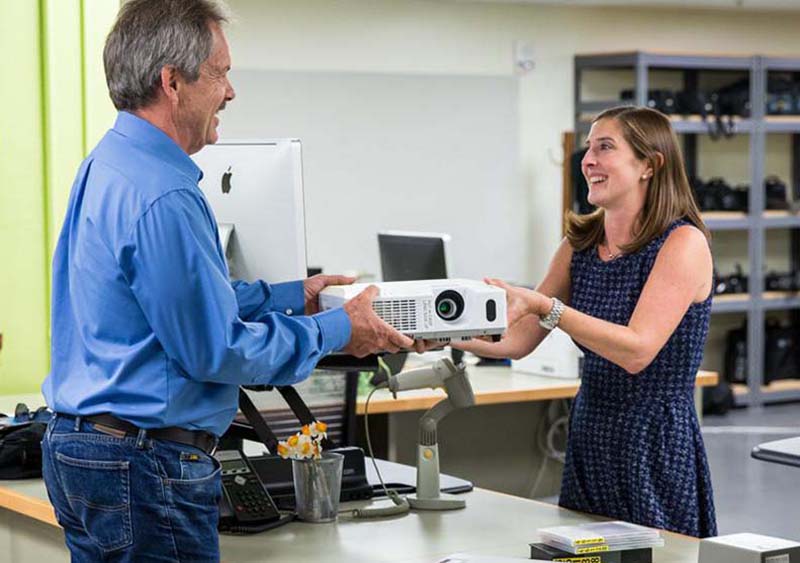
601 536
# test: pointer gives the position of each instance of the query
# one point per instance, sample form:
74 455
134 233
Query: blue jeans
131 498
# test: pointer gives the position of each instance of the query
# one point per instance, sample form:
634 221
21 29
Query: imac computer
255 189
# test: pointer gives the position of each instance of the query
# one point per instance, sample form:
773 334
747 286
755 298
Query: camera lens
449 305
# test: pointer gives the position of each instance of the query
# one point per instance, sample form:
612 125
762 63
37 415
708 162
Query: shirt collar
155 141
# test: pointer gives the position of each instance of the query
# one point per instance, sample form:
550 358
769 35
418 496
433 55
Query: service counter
491 524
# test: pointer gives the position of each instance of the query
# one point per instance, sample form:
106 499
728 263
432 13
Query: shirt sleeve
172 265
259 298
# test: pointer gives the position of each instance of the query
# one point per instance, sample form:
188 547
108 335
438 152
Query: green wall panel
23 264
98 17
53 113
63 91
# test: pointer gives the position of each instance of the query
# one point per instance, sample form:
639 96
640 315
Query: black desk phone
245 505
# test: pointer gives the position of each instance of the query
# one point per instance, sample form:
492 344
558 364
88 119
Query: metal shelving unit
758 220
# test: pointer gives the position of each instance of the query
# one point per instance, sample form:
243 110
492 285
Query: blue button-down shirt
146 323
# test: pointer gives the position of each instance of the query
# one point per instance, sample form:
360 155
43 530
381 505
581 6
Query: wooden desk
492 524
493 385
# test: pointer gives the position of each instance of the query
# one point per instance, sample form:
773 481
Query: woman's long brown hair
669 196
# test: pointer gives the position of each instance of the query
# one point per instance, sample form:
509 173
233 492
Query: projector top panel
407 289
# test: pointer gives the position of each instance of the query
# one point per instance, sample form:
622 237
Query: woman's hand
517 342
521 302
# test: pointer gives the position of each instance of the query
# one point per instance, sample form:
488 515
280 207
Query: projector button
491 310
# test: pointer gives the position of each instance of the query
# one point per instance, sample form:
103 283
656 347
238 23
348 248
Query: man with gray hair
150 339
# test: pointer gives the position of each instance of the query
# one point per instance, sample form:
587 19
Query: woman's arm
524 333
680 276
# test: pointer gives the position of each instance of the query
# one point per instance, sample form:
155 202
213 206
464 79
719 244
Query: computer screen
255 189
407 256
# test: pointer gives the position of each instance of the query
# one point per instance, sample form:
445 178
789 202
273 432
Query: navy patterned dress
635 451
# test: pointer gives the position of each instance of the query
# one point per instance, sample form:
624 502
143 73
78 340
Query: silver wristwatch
551 319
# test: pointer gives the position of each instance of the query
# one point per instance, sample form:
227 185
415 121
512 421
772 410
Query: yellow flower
322 427
306 430
292 441
283 450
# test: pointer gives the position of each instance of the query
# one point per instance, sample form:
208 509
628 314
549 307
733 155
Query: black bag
21 444
776 193
717 399
781 353
735 369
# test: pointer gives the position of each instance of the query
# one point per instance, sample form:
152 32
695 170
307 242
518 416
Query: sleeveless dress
635 451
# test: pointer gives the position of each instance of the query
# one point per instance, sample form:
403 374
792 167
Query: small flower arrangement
306 444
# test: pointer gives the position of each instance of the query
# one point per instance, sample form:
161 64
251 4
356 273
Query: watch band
551 319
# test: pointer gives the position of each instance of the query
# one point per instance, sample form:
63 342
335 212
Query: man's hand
370 334
421 346
313 285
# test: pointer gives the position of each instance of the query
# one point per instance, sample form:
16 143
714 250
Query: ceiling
740 5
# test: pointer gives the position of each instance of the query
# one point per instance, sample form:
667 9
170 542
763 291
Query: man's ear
170 79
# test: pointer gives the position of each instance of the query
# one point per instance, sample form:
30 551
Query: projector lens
449 305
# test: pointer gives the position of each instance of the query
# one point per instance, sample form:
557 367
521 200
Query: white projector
431 309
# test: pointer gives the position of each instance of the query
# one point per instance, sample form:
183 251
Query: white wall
443 38
403 152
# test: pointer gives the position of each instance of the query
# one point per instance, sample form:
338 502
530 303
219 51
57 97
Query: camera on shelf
776 193
720 106
782 281
735 282
662 100
718 195
783 95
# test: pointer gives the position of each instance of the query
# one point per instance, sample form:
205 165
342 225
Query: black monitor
408 256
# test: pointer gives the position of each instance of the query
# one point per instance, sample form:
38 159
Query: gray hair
151 34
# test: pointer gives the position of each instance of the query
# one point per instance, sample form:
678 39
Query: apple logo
226 181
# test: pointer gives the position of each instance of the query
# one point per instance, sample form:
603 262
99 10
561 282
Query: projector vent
400 313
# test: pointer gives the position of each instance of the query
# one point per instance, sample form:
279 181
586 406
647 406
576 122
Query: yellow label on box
593 549
581 559
590 540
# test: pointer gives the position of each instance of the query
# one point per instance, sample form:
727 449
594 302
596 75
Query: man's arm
259 298
178 277
290 298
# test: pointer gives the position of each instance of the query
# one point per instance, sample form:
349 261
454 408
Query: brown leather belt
197 438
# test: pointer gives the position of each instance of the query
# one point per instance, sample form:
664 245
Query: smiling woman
636 277
633 147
